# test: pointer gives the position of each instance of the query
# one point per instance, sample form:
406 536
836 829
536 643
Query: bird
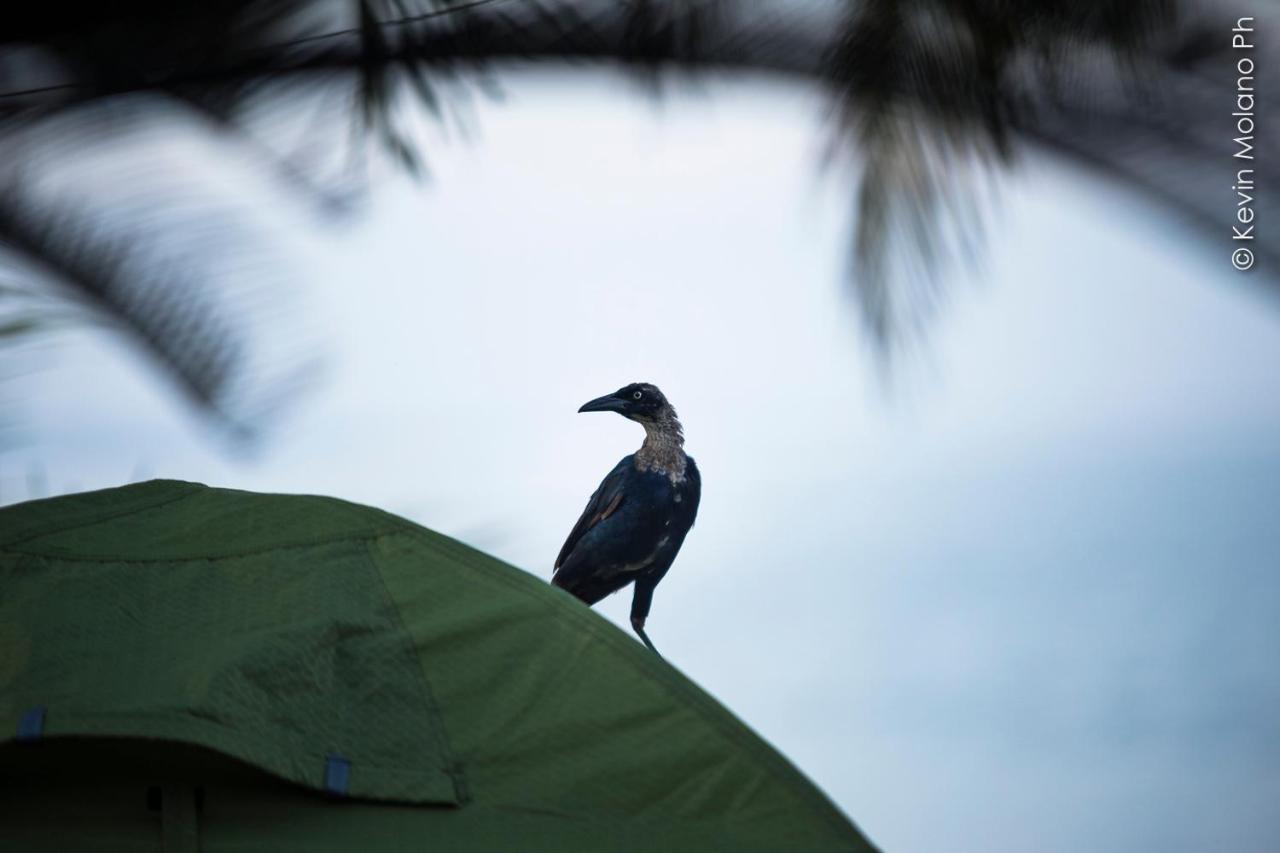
636 521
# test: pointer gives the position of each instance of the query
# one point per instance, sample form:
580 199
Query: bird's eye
637 395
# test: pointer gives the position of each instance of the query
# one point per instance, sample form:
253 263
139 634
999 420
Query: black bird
637 519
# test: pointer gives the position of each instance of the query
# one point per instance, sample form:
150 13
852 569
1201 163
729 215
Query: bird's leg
640 603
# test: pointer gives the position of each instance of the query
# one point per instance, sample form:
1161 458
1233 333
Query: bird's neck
663 448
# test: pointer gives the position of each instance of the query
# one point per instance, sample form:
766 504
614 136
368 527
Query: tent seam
454 769
230 555
99 519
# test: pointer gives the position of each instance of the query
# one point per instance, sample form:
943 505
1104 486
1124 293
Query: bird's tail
587 589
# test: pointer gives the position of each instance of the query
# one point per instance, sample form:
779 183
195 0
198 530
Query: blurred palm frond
930 95
159 305
930 98
110 227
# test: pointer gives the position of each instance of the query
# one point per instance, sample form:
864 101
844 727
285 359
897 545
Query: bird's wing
604 503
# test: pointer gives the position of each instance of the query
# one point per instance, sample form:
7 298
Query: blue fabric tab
31 724
337 775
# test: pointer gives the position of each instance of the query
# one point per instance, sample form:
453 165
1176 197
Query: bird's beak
607 403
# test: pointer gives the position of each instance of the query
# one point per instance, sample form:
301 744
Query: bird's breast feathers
659 487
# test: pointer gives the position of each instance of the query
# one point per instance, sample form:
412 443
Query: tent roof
346 650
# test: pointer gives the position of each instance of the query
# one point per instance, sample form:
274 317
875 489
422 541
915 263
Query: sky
1021 594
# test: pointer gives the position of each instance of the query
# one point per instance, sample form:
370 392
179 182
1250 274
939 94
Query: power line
350 31
398 22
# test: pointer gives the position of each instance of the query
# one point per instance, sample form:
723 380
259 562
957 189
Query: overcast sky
1023 598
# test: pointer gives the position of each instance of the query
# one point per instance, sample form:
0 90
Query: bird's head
639 401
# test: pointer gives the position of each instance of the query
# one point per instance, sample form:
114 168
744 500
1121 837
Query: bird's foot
637 625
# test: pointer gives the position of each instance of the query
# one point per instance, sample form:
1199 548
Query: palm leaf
156 258
930 96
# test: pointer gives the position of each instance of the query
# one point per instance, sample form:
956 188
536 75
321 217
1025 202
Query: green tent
185 668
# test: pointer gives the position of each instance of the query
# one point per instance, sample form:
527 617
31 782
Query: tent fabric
265 650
